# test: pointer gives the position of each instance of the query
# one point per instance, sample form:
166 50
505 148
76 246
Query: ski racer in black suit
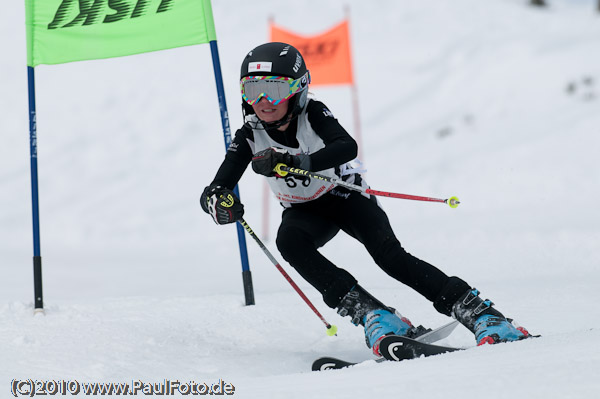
284 125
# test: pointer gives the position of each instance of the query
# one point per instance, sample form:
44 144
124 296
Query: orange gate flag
327 55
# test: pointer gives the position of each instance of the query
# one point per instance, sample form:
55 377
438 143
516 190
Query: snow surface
495 102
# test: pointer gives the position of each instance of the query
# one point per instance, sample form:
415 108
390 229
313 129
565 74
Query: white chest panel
292 189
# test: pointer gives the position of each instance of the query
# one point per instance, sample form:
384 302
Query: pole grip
281 169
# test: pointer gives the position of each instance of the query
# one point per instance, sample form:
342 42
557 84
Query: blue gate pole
246 275
37 257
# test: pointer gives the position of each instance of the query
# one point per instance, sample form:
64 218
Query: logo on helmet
261 66
298 63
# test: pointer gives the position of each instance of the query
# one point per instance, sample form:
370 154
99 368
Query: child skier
284 125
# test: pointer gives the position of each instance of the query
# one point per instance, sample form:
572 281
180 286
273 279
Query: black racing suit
307 226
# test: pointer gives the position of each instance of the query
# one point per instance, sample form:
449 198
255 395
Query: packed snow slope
492 101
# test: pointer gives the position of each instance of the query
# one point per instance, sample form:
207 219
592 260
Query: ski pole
283 170
331 329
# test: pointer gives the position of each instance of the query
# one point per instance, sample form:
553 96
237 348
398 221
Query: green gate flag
60 31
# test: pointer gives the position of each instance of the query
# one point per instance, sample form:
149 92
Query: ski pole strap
283 170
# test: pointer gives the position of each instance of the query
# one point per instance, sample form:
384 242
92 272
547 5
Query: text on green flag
60 31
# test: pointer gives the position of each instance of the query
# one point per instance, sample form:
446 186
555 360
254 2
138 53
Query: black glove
265 161
222 204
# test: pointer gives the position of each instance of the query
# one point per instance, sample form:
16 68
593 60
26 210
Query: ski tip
330 363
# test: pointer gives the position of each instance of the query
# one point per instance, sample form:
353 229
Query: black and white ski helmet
277 59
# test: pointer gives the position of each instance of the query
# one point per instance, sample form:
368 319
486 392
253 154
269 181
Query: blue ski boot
381 322
488 325
377 319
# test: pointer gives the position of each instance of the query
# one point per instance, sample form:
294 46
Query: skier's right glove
264 162
222 204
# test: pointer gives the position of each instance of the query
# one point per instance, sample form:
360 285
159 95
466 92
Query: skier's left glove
222 204
263 162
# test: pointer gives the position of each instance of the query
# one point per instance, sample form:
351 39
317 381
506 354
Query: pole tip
453 202
332 330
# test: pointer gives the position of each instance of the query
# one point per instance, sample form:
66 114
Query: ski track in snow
495 102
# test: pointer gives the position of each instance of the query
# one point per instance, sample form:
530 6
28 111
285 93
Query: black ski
397 348
331 363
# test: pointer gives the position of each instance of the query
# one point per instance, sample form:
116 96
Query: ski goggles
275 89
